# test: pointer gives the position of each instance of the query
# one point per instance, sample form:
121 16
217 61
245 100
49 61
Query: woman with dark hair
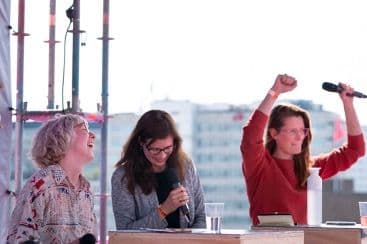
145 193
276 171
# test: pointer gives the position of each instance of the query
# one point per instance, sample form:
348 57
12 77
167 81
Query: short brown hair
53 139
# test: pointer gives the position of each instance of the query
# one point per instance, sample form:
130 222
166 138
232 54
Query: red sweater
271 182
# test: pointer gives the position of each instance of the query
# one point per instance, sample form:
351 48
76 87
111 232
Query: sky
205 51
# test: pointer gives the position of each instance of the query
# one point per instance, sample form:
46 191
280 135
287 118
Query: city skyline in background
202 51
211 137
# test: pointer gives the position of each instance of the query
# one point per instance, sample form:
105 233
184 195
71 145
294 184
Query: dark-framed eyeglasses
157 150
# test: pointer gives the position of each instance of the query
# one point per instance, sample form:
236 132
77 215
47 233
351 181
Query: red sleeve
252 144
341 158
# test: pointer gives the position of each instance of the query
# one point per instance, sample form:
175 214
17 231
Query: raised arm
344 157
252 144
283 83
351 118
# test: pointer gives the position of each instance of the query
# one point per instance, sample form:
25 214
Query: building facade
211 137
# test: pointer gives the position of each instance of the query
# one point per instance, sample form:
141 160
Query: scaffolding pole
5 118
104 133
51 56
76 50
19 97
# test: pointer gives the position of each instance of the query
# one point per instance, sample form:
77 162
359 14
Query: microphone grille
171 176
330 87
87 239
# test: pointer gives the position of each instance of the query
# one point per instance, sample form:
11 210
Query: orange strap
161 212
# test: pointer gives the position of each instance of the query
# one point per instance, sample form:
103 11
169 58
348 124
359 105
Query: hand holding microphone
340 88
178 196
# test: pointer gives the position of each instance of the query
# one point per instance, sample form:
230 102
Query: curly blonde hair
53 139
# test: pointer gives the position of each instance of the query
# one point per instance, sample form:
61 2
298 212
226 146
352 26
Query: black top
164 187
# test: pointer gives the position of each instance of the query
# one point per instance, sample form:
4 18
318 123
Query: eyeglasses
295 132
157 150
83 125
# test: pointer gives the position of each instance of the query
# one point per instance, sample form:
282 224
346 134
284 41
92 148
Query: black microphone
175 182
337 88
87 239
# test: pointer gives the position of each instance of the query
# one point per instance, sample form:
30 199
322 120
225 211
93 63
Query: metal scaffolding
104 134
21 107
5 116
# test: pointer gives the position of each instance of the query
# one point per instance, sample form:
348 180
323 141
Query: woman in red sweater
276 171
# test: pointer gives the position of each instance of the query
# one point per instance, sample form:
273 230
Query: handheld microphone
175 183
87 239
337 88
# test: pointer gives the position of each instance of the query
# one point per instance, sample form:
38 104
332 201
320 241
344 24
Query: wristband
161 212
273 93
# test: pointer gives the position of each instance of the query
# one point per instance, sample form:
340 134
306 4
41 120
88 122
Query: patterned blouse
50 209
